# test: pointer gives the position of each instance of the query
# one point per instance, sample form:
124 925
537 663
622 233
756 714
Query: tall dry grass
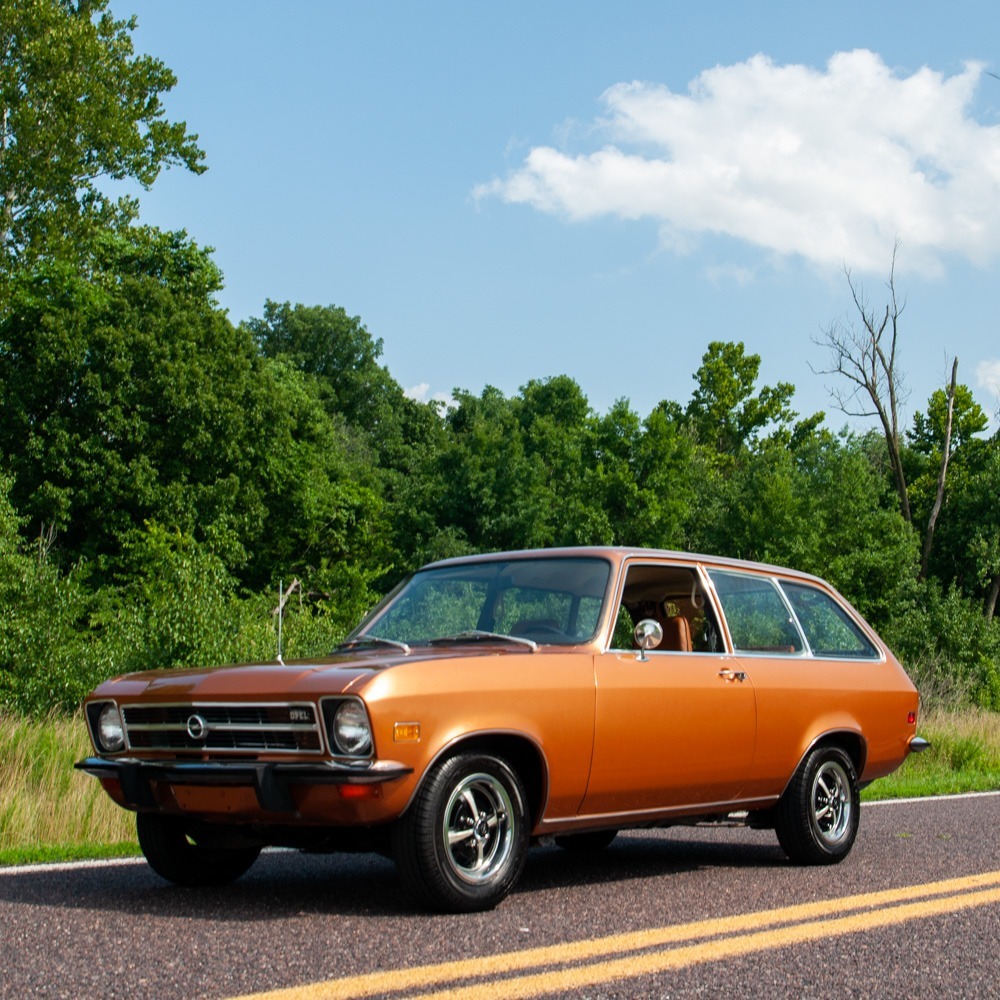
964 756
43 800
48 810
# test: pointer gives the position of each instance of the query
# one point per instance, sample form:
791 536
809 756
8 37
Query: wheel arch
849 740
521 752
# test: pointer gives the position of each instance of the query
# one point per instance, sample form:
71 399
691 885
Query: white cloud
832 165
421 393
988 375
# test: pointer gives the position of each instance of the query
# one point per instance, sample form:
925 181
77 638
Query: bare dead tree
46 539
992 596
284 595
942 474
866 357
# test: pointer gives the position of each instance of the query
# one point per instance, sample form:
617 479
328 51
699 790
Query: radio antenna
281 614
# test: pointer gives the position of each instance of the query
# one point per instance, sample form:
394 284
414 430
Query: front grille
233 728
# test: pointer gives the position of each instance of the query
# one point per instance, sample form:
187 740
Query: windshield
547 600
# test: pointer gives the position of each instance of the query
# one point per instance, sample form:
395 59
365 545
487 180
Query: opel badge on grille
197 727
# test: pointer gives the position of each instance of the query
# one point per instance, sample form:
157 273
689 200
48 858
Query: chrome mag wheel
830 802
478 828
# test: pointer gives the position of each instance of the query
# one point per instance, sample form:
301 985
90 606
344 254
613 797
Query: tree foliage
162 470
78 107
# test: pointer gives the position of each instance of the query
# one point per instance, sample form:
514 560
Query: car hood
246 681
337 674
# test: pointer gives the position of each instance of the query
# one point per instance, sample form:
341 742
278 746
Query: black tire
176 856
817 817
462 844
586 843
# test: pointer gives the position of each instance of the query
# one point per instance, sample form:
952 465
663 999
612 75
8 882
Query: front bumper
270 781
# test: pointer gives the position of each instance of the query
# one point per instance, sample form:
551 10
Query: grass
964 757
50 812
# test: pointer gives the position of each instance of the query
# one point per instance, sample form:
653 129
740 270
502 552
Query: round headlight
351 731
110 734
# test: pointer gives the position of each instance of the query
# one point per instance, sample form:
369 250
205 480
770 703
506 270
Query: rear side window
830 630
758 617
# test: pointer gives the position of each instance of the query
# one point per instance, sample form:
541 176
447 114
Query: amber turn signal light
406 732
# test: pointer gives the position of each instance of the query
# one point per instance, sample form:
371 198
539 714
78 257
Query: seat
676 634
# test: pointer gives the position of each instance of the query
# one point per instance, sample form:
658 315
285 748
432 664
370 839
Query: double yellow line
554 968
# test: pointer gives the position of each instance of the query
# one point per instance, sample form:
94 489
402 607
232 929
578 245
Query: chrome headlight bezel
106 726
348 728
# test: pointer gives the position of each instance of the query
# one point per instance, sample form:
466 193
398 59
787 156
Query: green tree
642 476
47 648
77 107
928 433
325 520
337 350
968 551
393 443
126 395
127 398
940 442
822 507
558 428
725 411
489 495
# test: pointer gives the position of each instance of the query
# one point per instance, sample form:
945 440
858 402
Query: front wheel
817 817
462 844
174 853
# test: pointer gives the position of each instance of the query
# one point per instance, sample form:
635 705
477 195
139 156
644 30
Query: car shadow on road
288 884
643 855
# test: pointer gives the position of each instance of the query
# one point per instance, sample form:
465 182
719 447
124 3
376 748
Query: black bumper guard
269 780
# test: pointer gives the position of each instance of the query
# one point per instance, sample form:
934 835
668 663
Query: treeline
163 470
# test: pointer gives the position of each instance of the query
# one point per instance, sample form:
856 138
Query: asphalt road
914 911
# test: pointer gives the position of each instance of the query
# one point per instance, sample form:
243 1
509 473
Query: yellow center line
711 951
809 921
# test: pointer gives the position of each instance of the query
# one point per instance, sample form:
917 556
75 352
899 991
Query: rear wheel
462 844
174 853
817 817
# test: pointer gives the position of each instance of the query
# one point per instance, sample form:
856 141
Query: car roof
618 554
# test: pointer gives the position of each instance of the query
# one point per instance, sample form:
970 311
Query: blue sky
513 191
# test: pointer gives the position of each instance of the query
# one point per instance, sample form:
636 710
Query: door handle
733 675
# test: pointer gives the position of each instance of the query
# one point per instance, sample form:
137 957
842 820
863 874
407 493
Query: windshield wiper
475 635
373 640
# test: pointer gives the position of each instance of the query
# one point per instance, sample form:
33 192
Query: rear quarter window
829 628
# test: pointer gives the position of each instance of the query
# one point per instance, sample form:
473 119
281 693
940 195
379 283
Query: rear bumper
270 781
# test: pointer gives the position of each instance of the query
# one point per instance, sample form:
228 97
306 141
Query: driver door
678 726
674 730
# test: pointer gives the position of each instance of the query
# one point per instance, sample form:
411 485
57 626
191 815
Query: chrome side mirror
648 635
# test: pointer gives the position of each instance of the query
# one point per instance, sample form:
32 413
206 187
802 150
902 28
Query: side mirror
648 635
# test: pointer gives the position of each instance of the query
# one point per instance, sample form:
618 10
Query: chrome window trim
848 611
805 652
708 593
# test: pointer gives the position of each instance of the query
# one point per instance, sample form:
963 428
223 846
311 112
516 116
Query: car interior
674 597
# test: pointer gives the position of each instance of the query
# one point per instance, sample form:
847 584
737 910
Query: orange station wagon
496 700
